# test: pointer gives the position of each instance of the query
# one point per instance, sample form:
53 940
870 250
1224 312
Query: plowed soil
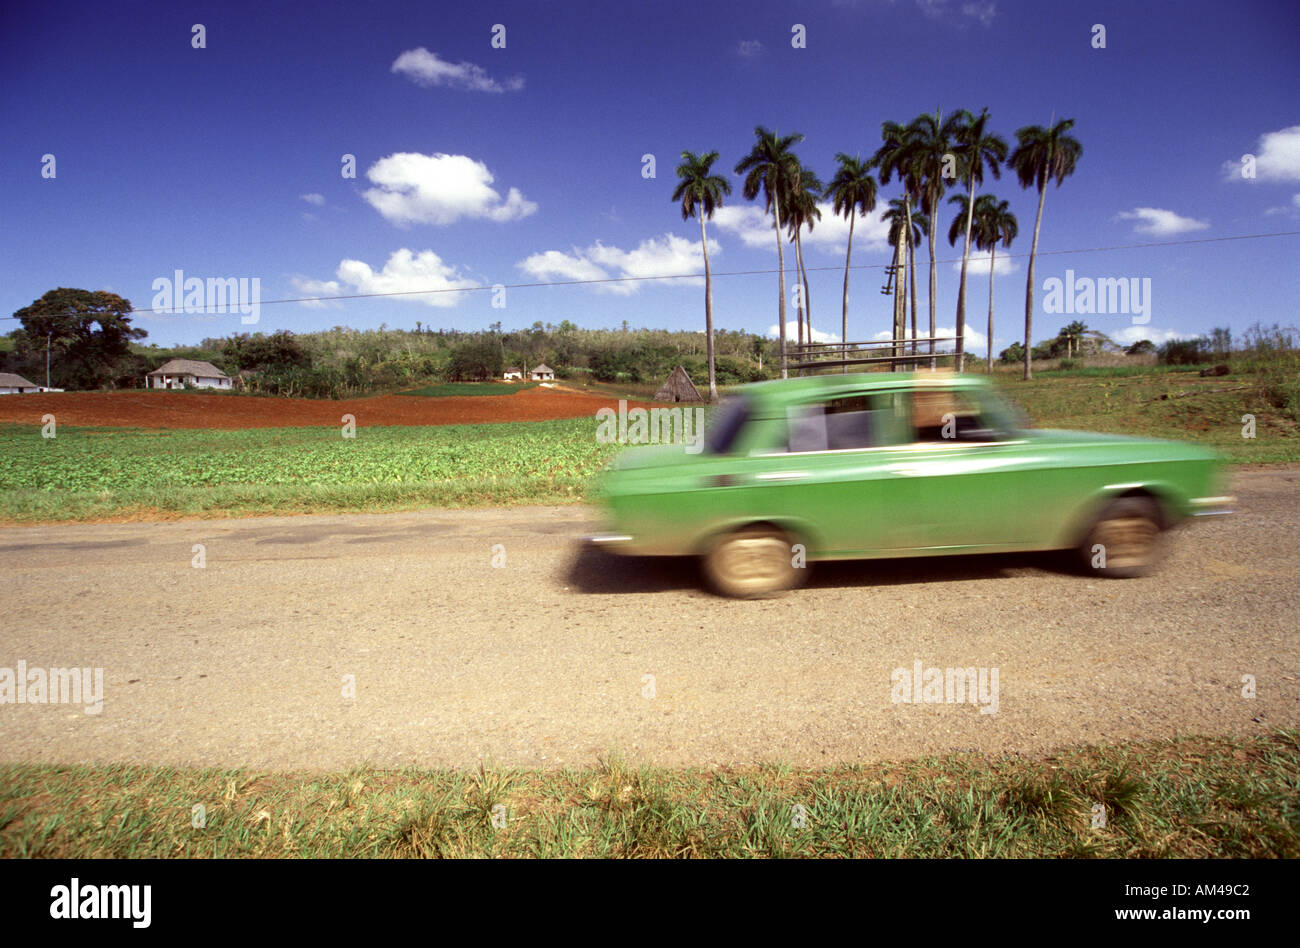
141 409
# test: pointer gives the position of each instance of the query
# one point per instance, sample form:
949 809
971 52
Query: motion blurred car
878 465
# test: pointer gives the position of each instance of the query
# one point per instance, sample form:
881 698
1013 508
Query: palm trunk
965 259
844 311
1029 283
934 273
993 256
807 293
909 260
780 258
798 278
911 266
708 309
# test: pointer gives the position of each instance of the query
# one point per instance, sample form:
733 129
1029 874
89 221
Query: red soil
144 409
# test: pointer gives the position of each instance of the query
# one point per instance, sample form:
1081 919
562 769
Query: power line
687 276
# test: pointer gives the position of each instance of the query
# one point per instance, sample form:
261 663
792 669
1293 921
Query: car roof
826 386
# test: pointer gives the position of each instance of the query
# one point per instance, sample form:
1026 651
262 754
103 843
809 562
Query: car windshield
1001 414
726 424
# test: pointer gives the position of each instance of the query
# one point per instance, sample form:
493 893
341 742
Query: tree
993 223
1042 155
1141 347
1012 353
700 194
976 148
1072 333
893 157
905 226
802 210
768 168
852 192
928 143
91 329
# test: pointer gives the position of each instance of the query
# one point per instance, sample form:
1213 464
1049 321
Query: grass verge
1187 797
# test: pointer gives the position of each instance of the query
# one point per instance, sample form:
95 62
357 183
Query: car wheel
1125 540
752 563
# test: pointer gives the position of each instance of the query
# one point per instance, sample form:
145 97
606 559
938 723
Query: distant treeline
343 362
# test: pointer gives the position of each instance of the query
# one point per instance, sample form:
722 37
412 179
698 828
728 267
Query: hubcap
1128 541
754 563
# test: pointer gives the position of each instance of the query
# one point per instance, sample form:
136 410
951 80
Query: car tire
1125 540
753 563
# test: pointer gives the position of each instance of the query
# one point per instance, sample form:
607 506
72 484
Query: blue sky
478 165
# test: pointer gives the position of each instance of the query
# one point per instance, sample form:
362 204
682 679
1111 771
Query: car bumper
1212 506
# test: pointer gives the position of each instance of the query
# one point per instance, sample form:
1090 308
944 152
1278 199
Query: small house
542 373
178 373
512 374
11 384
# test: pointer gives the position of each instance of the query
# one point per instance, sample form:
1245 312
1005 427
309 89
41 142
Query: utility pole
49 338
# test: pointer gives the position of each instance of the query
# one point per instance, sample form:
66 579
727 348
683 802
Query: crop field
93 472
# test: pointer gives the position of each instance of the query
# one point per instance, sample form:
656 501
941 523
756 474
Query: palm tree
976 147
905 230
852 191
893 157
700 194
1041 155
802 209
993 223
928 141
768 167
1073 334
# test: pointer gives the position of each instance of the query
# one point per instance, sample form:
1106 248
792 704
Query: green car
896 464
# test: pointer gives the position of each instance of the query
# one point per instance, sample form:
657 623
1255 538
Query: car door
821 470
957 482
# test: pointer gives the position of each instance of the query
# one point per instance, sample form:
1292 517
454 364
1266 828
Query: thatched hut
678 387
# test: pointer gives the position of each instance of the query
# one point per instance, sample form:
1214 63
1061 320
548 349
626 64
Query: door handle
780 475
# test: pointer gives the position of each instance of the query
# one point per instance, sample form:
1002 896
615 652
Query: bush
1183 352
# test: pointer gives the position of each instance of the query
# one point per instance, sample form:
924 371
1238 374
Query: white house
11 384
542 373
177 373
513 374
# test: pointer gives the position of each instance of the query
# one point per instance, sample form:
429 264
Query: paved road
544 661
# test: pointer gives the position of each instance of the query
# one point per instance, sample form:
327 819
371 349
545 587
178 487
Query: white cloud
1277 157
411 188
657 259
749 48
830 234
979 265
976 341
427 69
1131 334
1159 222
317 199
792 333
981 11
405 272
1292 209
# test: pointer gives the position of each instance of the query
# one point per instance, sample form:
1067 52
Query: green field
89 473
452 389
103 472
1194 797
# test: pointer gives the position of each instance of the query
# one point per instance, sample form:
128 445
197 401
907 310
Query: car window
940 415
844 424
725 425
